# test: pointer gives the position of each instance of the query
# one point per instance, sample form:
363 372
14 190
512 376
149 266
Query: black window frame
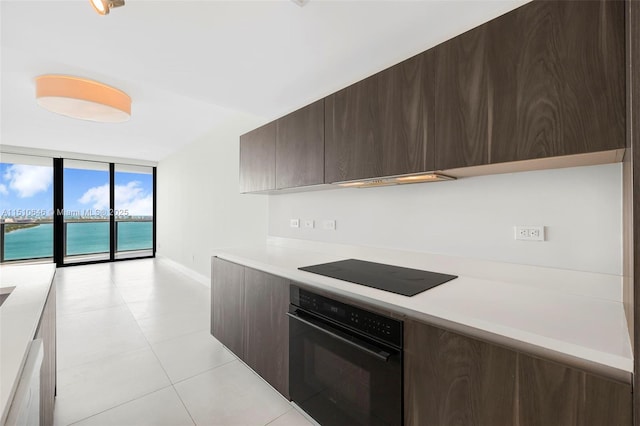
58 219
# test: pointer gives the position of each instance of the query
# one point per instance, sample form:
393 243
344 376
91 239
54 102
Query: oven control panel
380 327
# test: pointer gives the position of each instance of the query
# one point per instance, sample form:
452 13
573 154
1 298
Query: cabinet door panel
557 79
227 304
406 105
548 393
300 147
553 394
353 144
452 379
267 327
258 159
461 111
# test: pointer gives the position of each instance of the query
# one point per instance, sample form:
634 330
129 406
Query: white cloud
3 189
27 180
98 196
130 197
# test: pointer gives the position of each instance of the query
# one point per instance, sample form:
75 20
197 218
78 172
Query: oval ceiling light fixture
104 6
82 98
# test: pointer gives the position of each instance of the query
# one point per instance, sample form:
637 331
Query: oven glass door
340 378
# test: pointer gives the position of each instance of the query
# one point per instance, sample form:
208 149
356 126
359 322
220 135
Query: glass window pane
86 211
133 210
26 205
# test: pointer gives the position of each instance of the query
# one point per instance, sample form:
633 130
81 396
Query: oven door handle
356 343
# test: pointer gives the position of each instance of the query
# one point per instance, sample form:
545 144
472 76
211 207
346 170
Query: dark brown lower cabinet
47 332
553 394
227 304
266 332
452 379
248 316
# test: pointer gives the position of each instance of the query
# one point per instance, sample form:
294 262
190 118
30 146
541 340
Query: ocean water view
82 238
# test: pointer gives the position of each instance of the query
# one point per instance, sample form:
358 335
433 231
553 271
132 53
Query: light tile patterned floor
134 349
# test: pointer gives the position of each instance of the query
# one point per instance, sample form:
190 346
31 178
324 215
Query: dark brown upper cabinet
383 125
353 146
461 104
557 80
300 147
258 159
544 80
406 107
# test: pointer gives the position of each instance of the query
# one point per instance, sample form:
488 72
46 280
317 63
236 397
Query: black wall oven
345 363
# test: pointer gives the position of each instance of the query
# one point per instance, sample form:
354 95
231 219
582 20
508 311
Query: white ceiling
189 65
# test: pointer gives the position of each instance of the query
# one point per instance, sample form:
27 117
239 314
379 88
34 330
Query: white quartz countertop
543 311
19 318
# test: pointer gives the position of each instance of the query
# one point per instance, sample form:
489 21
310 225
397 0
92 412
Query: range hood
395 180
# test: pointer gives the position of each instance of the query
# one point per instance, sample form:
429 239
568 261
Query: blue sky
31 188
25 187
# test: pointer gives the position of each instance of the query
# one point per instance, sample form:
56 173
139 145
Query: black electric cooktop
395 279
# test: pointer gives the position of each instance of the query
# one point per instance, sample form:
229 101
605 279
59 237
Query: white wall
199 207
474 217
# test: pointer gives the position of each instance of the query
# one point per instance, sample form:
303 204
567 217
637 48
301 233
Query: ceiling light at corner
104 6
81 98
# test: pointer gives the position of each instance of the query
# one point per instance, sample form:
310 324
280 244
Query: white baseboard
185 270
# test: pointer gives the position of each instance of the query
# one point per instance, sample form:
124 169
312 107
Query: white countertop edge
12 367
604 364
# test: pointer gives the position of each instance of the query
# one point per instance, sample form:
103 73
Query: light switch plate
308 223
294 223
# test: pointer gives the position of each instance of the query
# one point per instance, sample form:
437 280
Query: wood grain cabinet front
383 125
551 394
544 80
258 159
453 379
227 304
461 104
266 331
406 123
248 316
300 147
353 144
556 80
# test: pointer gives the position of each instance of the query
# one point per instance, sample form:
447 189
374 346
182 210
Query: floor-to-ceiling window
86 208
133 211
26 204
71 211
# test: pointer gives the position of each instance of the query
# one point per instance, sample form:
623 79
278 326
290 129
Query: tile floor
134 349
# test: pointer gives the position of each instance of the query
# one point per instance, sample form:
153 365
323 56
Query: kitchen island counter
19 318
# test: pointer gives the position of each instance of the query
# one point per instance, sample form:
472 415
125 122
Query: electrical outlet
329 225
294 223
308 223
529 233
